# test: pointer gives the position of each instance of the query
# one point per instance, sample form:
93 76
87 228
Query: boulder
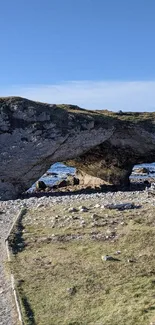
88 180
120 206
102 144
61 183
70 181
142 170
40 185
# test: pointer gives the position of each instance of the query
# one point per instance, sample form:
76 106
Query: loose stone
108 258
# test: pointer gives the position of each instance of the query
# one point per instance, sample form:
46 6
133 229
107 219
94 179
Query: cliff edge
103 144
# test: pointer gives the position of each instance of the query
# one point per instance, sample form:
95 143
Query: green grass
66 116
66 282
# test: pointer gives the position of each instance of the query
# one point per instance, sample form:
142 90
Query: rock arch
34 135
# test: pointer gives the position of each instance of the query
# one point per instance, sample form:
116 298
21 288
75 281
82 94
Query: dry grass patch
63 280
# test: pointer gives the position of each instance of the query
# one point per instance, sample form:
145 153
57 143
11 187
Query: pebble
130 260
94 216
72 210
97 206
83 209
108 258
41 205
71 290
118 252
75 217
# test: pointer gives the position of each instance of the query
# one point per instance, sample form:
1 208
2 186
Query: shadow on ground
134 186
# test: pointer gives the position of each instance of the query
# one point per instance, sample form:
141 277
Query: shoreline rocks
142 170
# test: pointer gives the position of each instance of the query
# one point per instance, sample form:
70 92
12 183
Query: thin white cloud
117 95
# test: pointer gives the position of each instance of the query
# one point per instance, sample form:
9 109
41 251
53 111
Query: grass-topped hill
7 103
102 144
61 273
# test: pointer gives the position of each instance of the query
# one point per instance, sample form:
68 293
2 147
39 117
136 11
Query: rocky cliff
103 144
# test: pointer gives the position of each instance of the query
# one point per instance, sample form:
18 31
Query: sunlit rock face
103 144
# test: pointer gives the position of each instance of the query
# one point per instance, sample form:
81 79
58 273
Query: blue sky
94 53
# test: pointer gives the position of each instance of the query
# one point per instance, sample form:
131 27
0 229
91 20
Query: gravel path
7 309
10 209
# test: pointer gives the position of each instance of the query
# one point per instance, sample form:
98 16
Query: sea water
62 171
150 167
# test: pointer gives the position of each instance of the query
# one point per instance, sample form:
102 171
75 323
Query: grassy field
61 277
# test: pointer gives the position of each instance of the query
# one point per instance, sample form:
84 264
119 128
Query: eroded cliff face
34 135
113 160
